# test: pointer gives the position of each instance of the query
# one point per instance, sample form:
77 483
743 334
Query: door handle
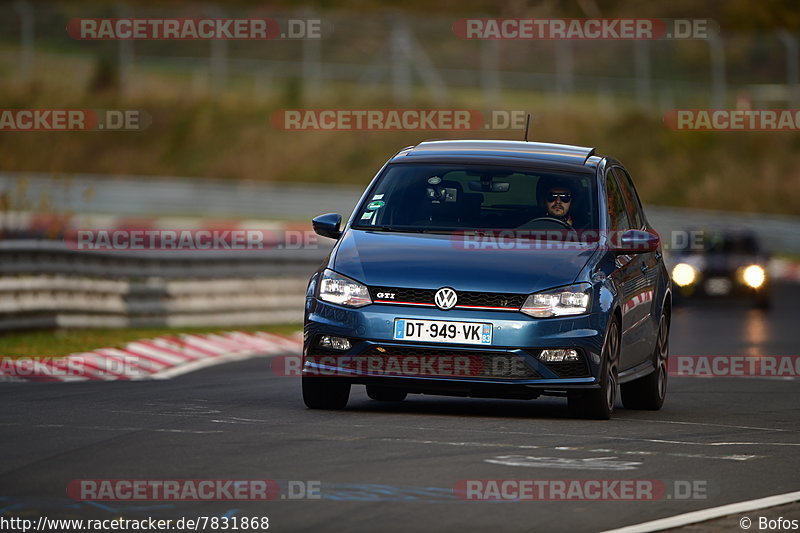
644 268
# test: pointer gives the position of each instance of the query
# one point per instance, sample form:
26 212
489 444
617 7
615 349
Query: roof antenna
527 123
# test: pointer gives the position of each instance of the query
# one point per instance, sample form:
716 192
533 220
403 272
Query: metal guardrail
778 233
45 284
139 196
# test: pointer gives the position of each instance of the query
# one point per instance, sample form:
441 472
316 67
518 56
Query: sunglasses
565 197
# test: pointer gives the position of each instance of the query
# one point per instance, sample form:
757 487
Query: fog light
334 343
558 356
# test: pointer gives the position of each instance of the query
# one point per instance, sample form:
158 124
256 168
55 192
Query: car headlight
572 300
684 274
337 289
754 276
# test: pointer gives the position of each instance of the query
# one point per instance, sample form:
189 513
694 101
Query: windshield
447 197
712 242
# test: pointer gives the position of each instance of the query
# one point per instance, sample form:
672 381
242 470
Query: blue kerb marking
375 492
102 506
11 507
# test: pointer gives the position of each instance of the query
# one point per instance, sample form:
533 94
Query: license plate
406 329
718 286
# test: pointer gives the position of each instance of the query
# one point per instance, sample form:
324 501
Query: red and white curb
160 358
785 270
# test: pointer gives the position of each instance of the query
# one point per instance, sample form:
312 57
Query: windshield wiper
415 229
390 228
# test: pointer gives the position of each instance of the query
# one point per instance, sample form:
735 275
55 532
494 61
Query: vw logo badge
445 298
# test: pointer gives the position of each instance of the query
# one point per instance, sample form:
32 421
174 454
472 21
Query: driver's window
617 215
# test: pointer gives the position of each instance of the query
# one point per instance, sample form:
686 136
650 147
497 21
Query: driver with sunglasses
557 202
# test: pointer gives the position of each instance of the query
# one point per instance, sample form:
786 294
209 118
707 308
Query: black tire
325 393
386 394
599 404
649 392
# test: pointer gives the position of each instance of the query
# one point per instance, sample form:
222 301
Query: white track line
705 424
709 514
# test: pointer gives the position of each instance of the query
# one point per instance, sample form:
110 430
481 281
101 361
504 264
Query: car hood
431 261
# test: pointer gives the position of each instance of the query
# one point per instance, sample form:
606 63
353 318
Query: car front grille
493 301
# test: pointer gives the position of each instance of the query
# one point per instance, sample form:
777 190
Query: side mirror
635 241
328 225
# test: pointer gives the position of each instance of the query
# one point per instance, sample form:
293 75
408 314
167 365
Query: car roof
580 156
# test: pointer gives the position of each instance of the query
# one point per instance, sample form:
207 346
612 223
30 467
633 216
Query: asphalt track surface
392 467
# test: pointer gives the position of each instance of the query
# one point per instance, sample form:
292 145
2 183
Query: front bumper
507 368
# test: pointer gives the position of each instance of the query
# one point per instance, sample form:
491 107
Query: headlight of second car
337 289
564 301
754 276
684 274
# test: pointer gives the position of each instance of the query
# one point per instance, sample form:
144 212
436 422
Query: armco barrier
140 196
45 284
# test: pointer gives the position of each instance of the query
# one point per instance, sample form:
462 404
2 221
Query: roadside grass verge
231 137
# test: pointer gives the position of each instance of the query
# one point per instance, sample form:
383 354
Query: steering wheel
547 219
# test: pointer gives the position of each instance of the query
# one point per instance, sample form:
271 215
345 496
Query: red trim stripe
395 302
402 303
486 307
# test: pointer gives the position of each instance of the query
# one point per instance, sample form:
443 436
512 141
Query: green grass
63 342
194 134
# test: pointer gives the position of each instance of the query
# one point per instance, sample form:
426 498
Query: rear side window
631 198
617 212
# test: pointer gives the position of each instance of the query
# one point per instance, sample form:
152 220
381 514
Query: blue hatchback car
495 269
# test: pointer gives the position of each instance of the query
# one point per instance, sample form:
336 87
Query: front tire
325 393
599 404
649 392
